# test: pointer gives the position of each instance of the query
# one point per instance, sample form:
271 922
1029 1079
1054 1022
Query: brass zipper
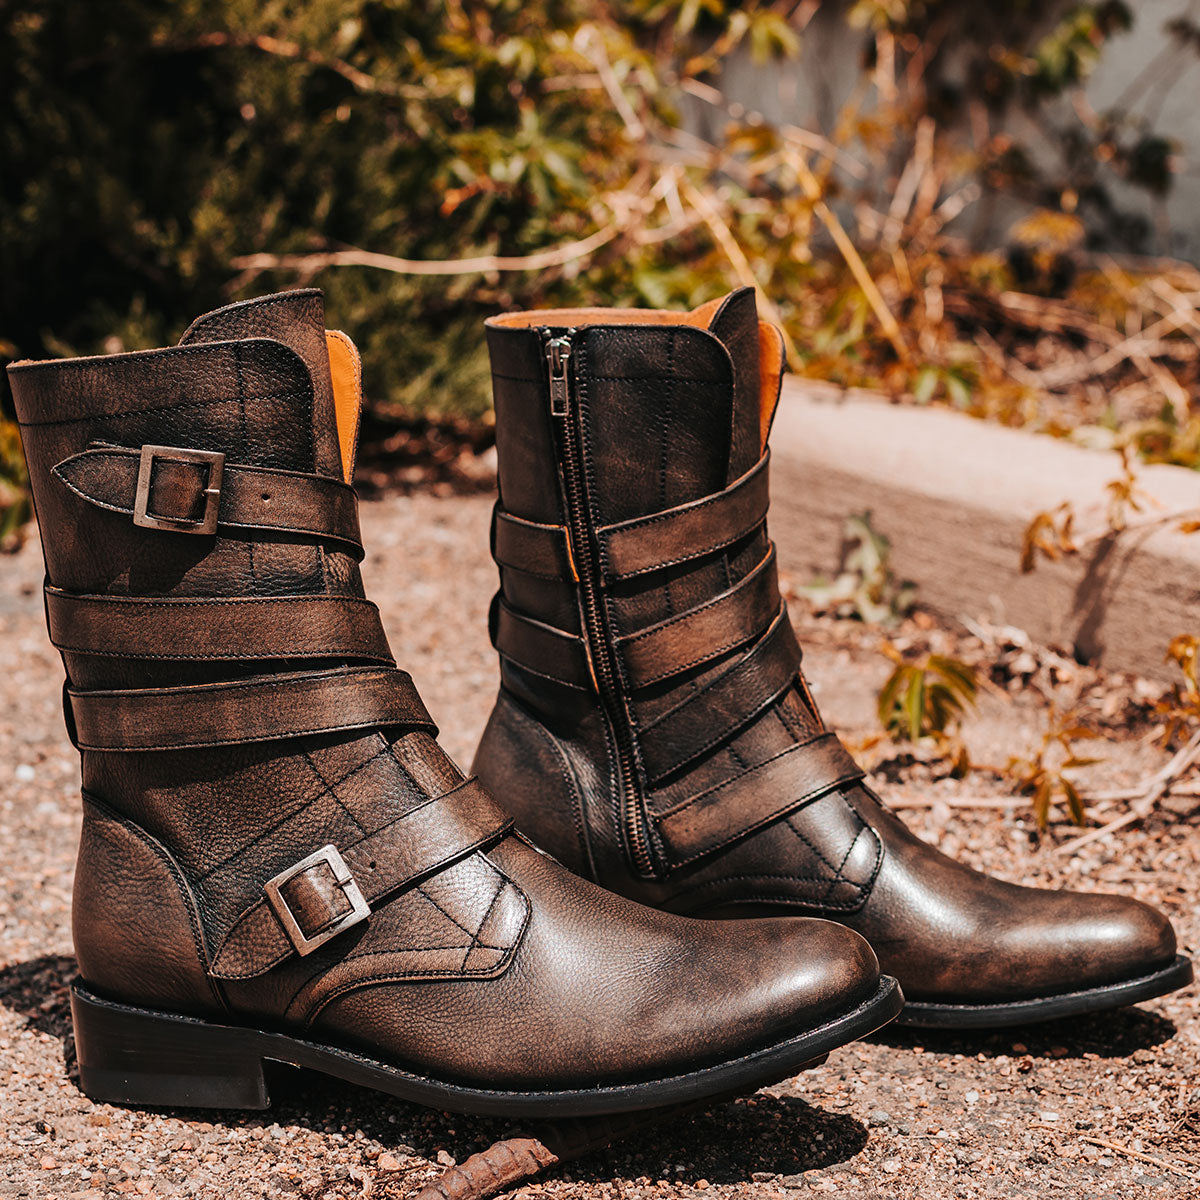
559 351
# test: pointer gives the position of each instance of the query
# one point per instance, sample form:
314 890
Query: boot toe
1053 943
1114 938
769 978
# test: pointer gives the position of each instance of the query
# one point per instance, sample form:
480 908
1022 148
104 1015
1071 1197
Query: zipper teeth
599 657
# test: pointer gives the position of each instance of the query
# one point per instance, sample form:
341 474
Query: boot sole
137 1056
926 1015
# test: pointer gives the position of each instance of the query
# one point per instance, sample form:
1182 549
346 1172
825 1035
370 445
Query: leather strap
422 842
540 648
542 550
247 710
730 619
799 775
251 498
288 627
731 700
689 531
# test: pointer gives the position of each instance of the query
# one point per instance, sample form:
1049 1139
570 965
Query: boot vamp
599 988
953 932
944 930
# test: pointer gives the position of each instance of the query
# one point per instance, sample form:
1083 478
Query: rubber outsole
927 1015
141 1057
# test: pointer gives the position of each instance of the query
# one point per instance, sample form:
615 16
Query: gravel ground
1107 1107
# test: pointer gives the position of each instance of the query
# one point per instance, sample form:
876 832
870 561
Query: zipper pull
558 355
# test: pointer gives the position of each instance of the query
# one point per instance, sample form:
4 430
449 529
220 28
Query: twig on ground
1152 791
986 802
490 1171
1132 793
548 1143
1117 1148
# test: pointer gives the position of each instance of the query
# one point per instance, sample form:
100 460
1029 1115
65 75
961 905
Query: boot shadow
1115 1034
728 1143
39 990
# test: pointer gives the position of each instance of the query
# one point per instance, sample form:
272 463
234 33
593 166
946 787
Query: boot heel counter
526 769
133 919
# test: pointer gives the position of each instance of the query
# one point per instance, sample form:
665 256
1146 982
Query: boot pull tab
558 359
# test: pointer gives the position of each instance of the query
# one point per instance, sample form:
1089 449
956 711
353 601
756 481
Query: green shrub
154 152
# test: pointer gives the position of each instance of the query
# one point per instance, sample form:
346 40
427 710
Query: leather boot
653 729
278 861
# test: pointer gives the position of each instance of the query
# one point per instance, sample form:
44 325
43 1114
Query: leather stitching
693 556
475 937
303 806
332 790
792 806
542 674
719 737
720 598
715 652
400 977
434 869
158 408
839 875
673 514
720 787
453 921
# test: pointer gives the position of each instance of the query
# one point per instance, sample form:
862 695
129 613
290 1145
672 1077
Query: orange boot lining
771 356
345 369
561 317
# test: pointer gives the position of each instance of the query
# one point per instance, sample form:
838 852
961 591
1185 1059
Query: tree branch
540 261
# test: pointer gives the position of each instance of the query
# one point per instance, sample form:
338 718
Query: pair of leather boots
279 863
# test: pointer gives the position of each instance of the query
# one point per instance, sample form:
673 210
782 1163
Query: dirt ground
1101 1108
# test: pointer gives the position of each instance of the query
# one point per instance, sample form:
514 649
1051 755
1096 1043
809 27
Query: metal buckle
207 524
359 908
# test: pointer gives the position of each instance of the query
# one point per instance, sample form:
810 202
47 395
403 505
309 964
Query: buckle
359 909
207 524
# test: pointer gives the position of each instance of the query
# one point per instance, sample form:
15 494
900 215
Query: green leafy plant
865 587
428 165
928 698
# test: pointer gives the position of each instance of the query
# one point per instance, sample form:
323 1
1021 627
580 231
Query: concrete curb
955 495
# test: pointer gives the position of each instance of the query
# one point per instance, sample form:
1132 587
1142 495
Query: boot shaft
248 387
605 417
639 612
231 690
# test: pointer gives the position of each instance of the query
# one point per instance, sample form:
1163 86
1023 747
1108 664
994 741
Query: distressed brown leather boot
278 862
653 729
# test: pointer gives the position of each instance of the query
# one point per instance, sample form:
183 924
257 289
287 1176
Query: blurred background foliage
428 165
